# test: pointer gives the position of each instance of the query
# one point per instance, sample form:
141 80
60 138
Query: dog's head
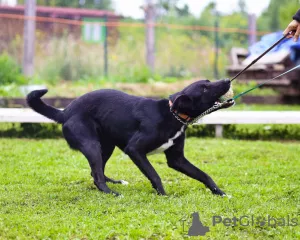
199 96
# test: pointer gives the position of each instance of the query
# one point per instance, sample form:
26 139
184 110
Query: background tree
286 12
184 11
172 8
207 17
236 19
167 5
277 15
242 7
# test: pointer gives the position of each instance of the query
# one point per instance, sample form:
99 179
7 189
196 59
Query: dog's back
115 113
98 103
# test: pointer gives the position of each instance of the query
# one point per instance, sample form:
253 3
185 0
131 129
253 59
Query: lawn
46 192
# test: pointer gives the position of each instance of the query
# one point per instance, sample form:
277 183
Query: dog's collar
186 120
181 117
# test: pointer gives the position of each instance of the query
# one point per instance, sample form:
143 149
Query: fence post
252 29
216 65
29 38
105 46
150 33
219 130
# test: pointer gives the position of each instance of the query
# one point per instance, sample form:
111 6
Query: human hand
294 26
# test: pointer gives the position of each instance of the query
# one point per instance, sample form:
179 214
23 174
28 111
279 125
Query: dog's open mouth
226 99
227 95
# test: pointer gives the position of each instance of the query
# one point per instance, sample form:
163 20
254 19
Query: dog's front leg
146 168
177 161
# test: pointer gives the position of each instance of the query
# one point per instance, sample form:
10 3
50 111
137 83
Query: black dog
98 121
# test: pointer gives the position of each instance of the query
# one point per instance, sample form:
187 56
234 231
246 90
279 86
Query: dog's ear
182 103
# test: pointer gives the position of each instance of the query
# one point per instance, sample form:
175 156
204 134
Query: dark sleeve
297 16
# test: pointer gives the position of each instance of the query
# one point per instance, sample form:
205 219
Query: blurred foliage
11 90
238 21
286 11
10 71
72 60
180 54
171 7
275 17
278 14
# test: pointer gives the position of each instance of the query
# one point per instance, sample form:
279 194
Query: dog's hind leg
107 150
107 179
82 136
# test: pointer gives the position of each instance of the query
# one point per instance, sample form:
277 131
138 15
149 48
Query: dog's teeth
124 182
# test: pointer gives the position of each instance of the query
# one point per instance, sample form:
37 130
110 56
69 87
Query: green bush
249 132
73 60
201 131
30 130
246 132
10 72
140 74
263 132
177 56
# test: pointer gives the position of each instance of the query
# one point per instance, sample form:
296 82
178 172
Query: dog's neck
181 117
168 115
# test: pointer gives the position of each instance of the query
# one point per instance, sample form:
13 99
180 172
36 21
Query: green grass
46 192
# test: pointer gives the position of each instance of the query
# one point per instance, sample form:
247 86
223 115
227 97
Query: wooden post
106 49
216 65
150 33
29 38
252 29
219 131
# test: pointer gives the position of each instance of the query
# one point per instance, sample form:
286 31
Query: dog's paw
161 192
116 194
218 192
123 182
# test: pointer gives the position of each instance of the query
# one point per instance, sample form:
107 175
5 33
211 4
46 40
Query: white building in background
8 2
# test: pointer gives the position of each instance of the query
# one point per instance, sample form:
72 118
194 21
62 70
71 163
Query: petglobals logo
198 228
251 220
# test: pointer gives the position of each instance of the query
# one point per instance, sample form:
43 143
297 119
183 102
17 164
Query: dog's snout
223 82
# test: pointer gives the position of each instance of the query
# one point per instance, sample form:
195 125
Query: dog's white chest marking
168 144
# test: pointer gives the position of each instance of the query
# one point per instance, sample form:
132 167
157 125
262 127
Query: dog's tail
34 101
